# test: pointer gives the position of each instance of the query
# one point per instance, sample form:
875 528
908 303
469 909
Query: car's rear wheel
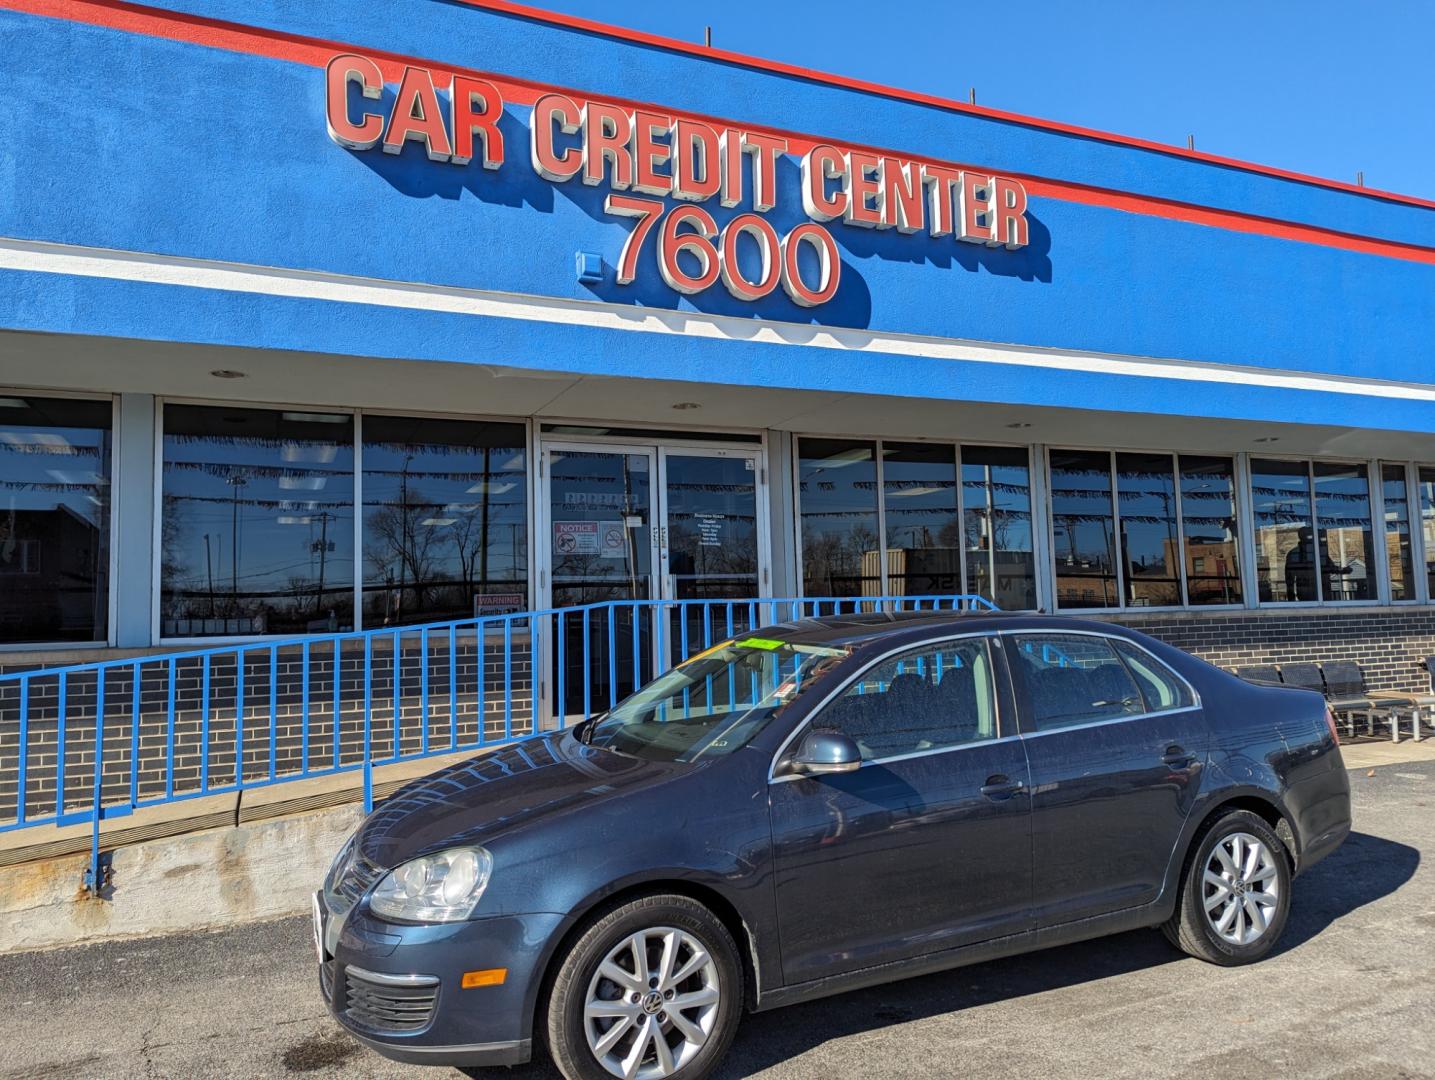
1235 895
652 989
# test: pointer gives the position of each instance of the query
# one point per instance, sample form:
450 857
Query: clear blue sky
1316 86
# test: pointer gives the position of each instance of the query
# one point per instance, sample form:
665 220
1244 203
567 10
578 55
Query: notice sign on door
575 537
614 539
606 539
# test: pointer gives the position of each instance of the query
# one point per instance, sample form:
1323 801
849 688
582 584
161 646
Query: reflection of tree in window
54 519
996 502
256 521
837 482
445 519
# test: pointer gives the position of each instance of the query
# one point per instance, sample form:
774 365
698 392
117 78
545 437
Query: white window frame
878 442
112 574
1380 575
1242 509
1412 523
357 413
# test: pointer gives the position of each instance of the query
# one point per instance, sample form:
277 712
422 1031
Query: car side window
1160 686
1074 679
929 698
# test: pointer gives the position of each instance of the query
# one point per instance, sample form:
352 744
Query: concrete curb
203 880
200 864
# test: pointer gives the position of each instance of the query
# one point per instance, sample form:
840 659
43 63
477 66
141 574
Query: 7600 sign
692 229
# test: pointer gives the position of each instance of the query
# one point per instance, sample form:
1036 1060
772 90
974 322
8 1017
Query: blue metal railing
97 741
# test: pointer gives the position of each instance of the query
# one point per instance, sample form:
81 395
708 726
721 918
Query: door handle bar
1177 758
999 787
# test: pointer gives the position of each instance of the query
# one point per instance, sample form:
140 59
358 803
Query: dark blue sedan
816 807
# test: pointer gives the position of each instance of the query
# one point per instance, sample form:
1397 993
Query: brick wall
1390 644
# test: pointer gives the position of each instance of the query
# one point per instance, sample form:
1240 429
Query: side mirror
823 752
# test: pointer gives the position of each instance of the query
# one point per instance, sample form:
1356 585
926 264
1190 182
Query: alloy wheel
1240 888
651 1004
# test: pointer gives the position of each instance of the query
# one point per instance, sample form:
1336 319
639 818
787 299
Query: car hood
504 790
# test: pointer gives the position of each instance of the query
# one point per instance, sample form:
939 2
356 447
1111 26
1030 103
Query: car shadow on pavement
1362 871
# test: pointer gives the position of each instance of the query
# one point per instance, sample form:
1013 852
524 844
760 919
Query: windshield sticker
760 643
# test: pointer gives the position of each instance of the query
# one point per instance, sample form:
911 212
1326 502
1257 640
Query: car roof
858 631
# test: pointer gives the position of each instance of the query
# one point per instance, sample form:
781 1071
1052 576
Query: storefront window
445 523
1427 524
1397 532
996 505
1285 533
1346 540
1208 528
54 520
841 548
919 491
1146 499
257 522
1084 545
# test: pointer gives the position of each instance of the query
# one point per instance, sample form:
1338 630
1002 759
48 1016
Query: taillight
1330 723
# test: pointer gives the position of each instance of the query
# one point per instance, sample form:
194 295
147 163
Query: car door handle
1177 757
1000 787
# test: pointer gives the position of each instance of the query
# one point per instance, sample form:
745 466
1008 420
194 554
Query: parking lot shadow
1362 871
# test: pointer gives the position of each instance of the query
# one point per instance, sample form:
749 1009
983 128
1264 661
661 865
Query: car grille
389 1003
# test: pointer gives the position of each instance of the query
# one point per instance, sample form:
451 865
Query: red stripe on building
316 52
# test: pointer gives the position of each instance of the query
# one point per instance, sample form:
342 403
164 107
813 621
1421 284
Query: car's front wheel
651 989
1235 895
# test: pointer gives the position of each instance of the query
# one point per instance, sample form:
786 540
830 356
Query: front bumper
398 989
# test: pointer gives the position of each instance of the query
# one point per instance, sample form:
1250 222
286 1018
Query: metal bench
1346 690
1422 704
1308 676
1260 673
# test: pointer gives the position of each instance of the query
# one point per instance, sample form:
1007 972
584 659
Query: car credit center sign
638 153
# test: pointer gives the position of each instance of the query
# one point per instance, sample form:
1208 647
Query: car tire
1239 920
599 975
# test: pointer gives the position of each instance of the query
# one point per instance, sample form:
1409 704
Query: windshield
713 703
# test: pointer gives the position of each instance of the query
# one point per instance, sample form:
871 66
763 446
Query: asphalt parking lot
1349 994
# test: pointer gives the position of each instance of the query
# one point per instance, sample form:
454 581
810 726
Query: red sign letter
765 150
1009 207
974 199
902 195
697 171
547 164
475 106
820 164
940 182
416 115
860 188
343 70
648 153
607 130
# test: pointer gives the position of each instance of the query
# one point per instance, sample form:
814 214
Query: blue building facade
340 315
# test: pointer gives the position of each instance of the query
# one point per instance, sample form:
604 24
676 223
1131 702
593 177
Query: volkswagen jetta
816 807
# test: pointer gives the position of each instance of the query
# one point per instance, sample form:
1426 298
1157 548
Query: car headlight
443 887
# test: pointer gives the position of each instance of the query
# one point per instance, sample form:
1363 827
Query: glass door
713 545
682 524
602 545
